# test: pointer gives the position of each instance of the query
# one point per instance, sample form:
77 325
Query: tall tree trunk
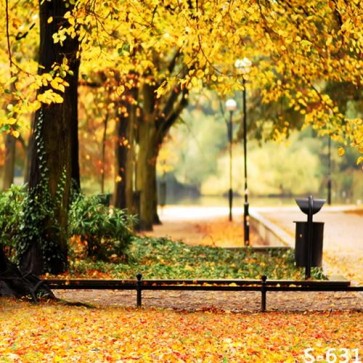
155 124
29 151
72 101
103 154
148 127
125 153
146 157
121 160
126 193
52 167
10 144
155 201
146 164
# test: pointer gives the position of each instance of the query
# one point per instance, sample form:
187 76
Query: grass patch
160 258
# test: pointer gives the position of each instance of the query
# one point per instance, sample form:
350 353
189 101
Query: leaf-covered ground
165 259
58 333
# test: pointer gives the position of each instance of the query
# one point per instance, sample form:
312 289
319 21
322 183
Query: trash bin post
309 245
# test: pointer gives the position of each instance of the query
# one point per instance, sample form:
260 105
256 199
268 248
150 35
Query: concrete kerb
270 232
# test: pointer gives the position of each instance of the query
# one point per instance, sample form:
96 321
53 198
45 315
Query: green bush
11 217
22 217
104 232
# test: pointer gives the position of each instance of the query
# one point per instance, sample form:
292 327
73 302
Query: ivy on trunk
54 156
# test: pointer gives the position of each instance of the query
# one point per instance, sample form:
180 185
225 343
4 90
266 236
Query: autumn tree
139 68
285 42
297 49
142 121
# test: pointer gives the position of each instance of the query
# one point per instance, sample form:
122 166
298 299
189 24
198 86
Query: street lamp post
231 106
329 170
244 66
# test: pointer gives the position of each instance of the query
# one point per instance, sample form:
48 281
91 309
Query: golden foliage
296 49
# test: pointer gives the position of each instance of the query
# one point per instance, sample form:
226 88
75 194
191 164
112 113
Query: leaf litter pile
55 332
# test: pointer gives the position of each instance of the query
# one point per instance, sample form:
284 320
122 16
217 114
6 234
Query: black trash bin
301 240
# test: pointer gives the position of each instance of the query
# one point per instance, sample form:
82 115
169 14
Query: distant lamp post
329 171
243 66
231 106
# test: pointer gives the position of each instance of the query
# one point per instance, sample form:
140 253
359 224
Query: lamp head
231 105
243 65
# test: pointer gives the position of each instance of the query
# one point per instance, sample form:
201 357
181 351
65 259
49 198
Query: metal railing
263 285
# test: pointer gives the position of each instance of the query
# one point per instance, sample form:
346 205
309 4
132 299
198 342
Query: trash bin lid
303 204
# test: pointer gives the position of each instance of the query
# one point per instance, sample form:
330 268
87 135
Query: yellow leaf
56 83
50 19
49 97
36 105
341 151
200 73
15 133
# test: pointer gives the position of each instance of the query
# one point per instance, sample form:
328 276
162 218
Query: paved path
202 225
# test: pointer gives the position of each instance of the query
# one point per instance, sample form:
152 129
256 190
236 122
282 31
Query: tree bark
157 119
121 161
146 173
53 167
16 284
125 153
72 102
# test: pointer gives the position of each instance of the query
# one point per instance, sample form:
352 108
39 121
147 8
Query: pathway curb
270 232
